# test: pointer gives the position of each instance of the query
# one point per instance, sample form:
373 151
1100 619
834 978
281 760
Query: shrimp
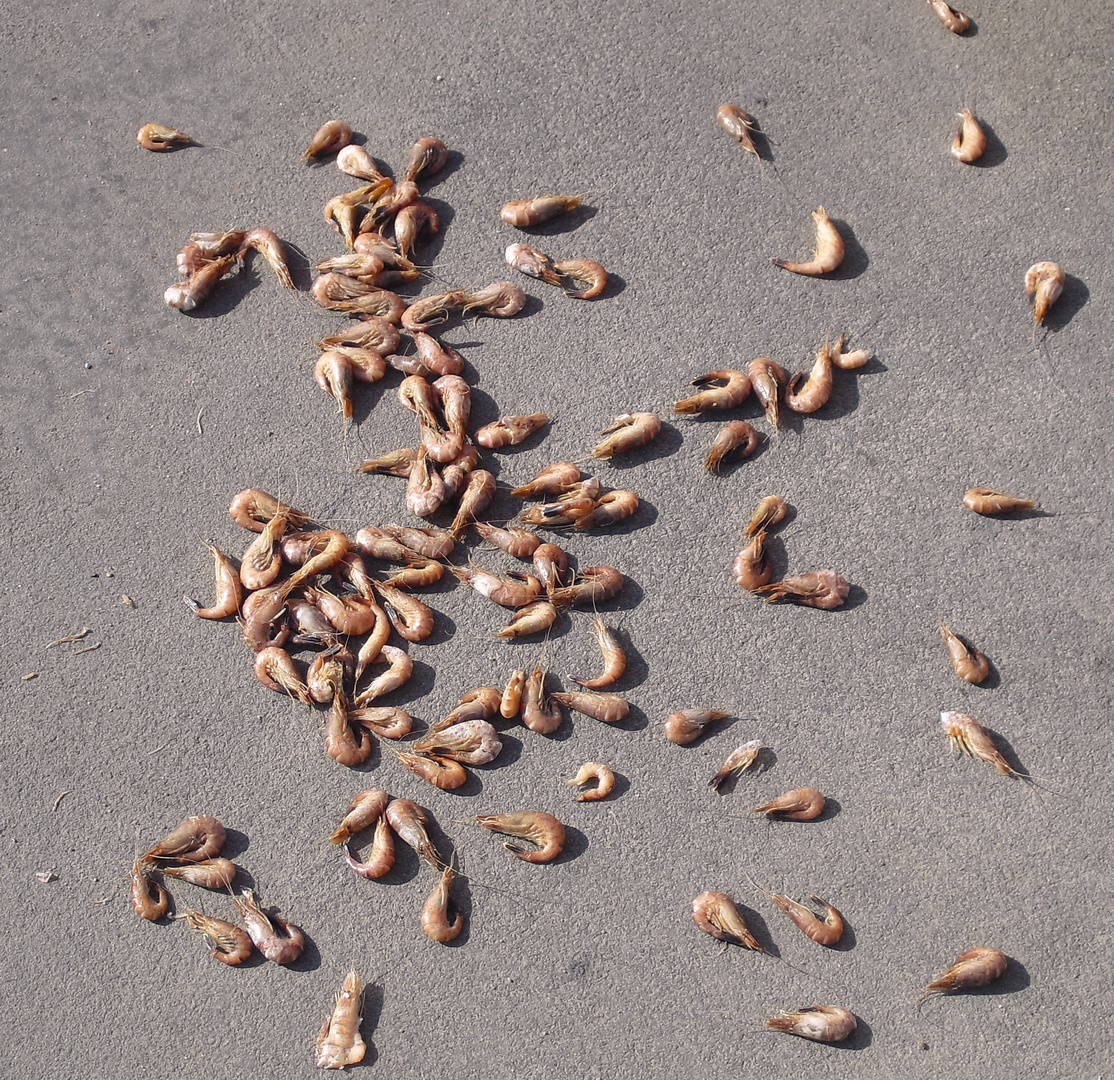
435 912
328 547
394 200
411 221
738 124
716 914
381 859
954 20
1045 282
418 575
823 589
505 591
472 742
253 508
732 436
473 502
339 293
371 332
261 562
195 840
228 589
411 618
479 704
521 543
427 157
425 488
752 568
585 279
524 212
970 664
328 139
282 946
771 511
532 262
610 708
356 161
341 743
828 252
554 479
550 562
531 619
539 713
432 310
627 432
366 807
734 391
194 291
261 609
455 398
409 820
510 701
440 357
820 1023
501 300
149 899
430 542
738 761
351 615
333 373
326 675
970 142
537 826
387 723
800 804
767 379
610 509
204 247
310 626
270 247
227 942
987 501
970 737
159 138
443 773
592 585
339 1043
510 430
688 725
276 669
825 931
614 658
975 967
816 388
852 360
589 771
210 874
352 572
400 668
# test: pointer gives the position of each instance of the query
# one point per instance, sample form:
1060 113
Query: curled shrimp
734 435
601 774
554 479
338 1042
510 701
372 332
973 968
430 542
366 807
513 590
427 157
501 300
282 945
432 310
584 279
770 511
510 430
820 1023
716 914
627 432
828 253
328 139
537 826
455 398
824 931
435 911
971 738
593 585
738 124
521 543
159 138
1044 282
738 761
735 389
409 820
392 202
688 725
767 379
970 141
148 898
800 804
609 708
751 568
399 669
443 773
341 743
252 509
411 221
204 247
381 858
852 360
550 563
327 674
277 670
970 664
261 610
440 357
953 20
195 290
229 592
349 615
817 384
333 373
262 561
411 618
531 619
987 501
210 874
270 247
823 589
418 575
471 742
386 722
336 292
614 658
327 549
610 509
356 161
539 713
479 704
525 212
195 840
532 262
425 487
227 942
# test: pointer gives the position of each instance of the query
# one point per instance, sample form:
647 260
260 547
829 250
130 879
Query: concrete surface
590 967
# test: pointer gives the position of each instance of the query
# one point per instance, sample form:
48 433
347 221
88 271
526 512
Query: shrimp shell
534 825
970 664
716 914
823 589
525 212
427 157
330 137
411 618
738 761
276 669
550 562
852 360
227 942
954 20
510 430
410 221
820 1023
554 479
428 541
970 141
149 899
828 253
975 967
585 278
987 501
738 124
734 391
589 771
339 1043
253 508
609 708
1045 282
751 568
229 591
366 807
767 379
800 804
400 668
688 725
432 310
195 290
270 247
435 911
473 502
817 384
380 860
479 704
425 487
732 436
282 945
159 138
614 658
610 509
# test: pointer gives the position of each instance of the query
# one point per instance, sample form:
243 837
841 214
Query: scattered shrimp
732 436
521 543
427 157
735 389
609 708
149 899
531 619
800 804
513 590
350 615
534 825
277 670
532 262
210 874
738 761
253 508
501 300
510 701
411 221
195 290
627 432
356 161
158 138
339 1043
328 139
524 212
688 725
270 247
767 379
472 742
817 385
229 592
418 576
970 664
614 658
585 278
411 618
829 249
366 807
392 202
770 511
970 737
435 911
751 568
342 743
852 360
371 332
479 704
987 501
432 310
610 509
550 562
716 914
409 820
473 502
738 124
825 931
425 488
227 942
593 585
443 773
820 1023
970 142
539 713
380 860
387 723
510 430
554 479
204 247
1045 282
439 356
283 945
954 20
261 562
823 589
399 669
430 542
194 840
589 771
326 675
328 547
333 373
973 968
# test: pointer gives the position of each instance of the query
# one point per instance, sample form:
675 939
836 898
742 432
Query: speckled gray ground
590 967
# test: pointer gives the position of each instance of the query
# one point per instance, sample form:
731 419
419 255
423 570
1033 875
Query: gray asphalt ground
590 967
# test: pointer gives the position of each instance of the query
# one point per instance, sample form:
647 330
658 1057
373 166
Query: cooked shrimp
326 675
970 664
381 858
229 591
418 575
532 262
610 708
521 543
501 300
627 432
513 590
828 253
336 292
204 247
1045 282
411 618
550 563
399 669
735 389
282 945
738 124
510 701
367 365
752 568
738 761
432 310
425 488
411 221
610 509
771 511
524 212
277 670
567 510
592 585
510 430
440 357
253 508
428 541
194 291
365 808
341 743
427 157
849 361
479 704
531 619
716 914
338 1042
195 840
158 138
387 723
443 773
973 968
328 548
394 200
820 1023
435 911
539 713
261 562
817 385
471 742
970 142
328 139
584 279
614 658
356 161
970 737
149 899
227 942
371 332
688 725
210 874
455 398
534 825
333 373
732 436
351 572
954 20
350 615
823 589
270 247
409 820
261 610
825 931
601 774
767 379
474 500
554 479
800 804
987 501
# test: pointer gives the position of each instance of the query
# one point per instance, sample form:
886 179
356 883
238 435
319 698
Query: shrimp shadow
615 285
443 630
848 940
1074 296
635 720
576 843
765 761
856 597
226 295
509 755
369 1021
665 445
310 960
859 1039
453 162
993 679
630 596
995 152
855 258
432 244
622 786
365 397
235 844
484 408
832 808
777 556
1007 751
1015 979
844 399
636 670
460 902
300 267
563 223
758 926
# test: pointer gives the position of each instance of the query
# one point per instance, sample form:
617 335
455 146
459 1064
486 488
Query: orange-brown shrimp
752 568
366 365
531 619
160 138
767 379
584 279
430 542
521 543
473 501
409 820
440 357
771 511
716 914
970 737
365 808
849 361
425 487
381 858
510 430
687 725
501 300
261 609
593 585
828 253
479 704
525 212
262 561
738 124
610 509
356 161
309 627
277 670
418 575
204 247
975 967
532 262
735 389
210 874
328 547
387 723
554 479
471 742
550 563
229 592
539 713
734 435
601 774
253 508
800 804
970 141
432 310
337 292
823 589
817 384
328 139
399 669
953 20
510 701
195 290
394 200
511 590
609 708
371 332
342 744
443 773
194 840
537 826
411 221
350 615
149 899
282 945
987 501
270 247
227 942
435 912
738 761
824 931
411 618
327 674
614 658
970 664
1044 281
820 1023
627 432
339 1043
333 373
427 157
